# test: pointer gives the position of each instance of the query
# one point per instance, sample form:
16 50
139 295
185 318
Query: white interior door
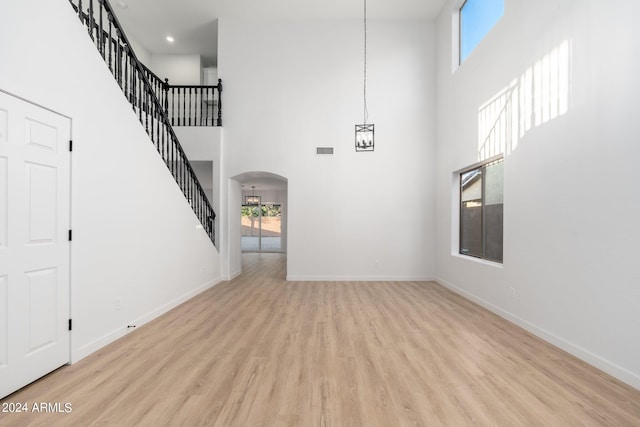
34 246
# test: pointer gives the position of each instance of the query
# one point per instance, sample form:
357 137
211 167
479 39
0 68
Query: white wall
292 86
233 252
143 54
571 209
179 69
135 237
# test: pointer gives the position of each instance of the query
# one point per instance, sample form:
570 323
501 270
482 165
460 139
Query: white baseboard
95 345
308 278
599 362
234 275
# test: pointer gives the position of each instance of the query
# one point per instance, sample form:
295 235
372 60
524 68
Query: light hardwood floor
260 351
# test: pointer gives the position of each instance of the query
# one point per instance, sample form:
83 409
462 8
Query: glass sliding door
250 228
261 228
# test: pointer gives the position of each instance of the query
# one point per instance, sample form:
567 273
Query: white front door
34 244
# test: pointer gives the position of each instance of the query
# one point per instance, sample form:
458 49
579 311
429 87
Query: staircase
151 99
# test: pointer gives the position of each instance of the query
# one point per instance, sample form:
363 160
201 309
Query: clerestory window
477 18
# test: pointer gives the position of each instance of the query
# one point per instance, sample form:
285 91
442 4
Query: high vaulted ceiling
193 23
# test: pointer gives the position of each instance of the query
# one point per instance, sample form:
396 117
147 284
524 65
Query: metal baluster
195 106
189 106
126 71
219 102
134 87
184 106
172 155
151 113
188 182
199 106
201 207
196 197
91 20
119 58
180 171
119 50
146 109
158 125
164 131
173 97
213 103
101 29
132 91
140 101
206 105
80 14
165 91
110 17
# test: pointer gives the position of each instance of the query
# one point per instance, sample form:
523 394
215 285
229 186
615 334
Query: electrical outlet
513 292
117 304
204 271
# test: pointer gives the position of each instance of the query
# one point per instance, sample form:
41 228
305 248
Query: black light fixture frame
252 200
365 137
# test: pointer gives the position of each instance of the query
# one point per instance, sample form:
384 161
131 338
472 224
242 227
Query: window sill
479 260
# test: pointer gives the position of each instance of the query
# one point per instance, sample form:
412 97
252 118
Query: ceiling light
170 39
122 5
365 131
252 200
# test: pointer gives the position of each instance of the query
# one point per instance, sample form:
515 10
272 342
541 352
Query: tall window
481 211
477 18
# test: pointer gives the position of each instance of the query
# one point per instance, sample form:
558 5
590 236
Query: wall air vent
324 150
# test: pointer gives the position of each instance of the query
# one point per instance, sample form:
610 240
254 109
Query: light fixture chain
366 111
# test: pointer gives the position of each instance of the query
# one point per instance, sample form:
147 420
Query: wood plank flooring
260 351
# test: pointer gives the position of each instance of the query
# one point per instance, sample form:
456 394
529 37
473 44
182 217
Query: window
477 18
481 210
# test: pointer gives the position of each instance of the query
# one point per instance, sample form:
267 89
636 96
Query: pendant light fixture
365 131
252 200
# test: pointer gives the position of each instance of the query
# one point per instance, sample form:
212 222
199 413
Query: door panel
4 324
4 182
34 251
42 136
42 309
41 184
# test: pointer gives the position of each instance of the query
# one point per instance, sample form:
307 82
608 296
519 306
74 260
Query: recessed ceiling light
122 5
170 39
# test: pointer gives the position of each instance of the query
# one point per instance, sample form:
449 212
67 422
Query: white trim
234 275
455 34
84 351
478 260
480 163
610 368
310 278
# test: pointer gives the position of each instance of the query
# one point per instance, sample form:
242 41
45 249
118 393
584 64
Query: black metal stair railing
106 32
188 105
